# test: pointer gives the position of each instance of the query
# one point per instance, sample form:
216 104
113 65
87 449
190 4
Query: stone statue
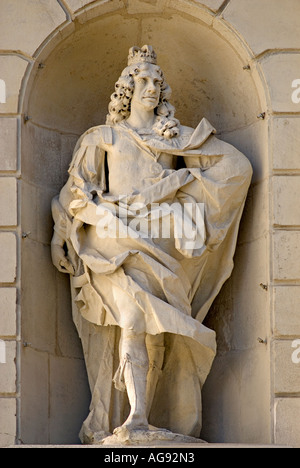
146 226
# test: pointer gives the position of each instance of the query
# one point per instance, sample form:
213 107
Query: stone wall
239 61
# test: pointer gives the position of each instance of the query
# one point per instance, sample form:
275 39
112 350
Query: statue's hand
60 260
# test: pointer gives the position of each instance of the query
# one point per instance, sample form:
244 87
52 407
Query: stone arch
210 77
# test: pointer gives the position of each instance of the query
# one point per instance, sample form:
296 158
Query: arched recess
67 92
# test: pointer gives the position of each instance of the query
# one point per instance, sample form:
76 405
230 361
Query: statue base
147 437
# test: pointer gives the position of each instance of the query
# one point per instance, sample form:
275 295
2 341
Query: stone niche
68 92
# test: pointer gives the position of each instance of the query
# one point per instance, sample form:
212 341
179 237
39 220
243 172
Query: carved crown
143 54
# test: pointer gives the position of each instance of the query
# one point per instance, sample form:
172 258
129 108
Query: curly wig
120 105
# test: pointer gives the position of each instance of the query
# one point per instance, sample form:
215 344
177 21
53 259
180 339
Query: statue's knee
155 340
133 321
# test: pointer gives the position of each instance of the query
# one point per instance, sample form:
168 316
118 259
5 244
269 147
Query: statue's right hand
60 260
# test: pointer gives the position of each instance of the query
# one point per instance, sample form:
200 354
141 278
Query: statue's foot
132 423
156 429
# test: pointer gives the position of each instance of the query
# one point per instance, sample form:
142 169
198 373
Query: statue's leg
156 352
134 364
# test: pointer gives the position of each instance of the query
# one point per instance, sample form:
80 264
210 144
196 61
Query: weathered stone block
12 69
212 4
8 143
233 374
69 399
35 397
8 425
8 297
286 207
266 24
29 209
249 299
144 6
8 201
191 8
77 4
91 11
287 310
286 372
252 140
8 257
25 24
8 369
286 142
287 421
67 336
38 296
254 223
44 214
286 265
280 72
45 168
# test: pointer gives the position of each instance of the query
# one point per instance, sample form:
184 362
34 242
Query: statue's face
147 87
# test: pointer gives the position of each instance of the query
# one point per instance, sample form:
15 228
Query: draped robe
172 280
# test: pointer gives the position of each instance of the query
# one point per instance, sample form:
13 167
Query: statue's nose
151 88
